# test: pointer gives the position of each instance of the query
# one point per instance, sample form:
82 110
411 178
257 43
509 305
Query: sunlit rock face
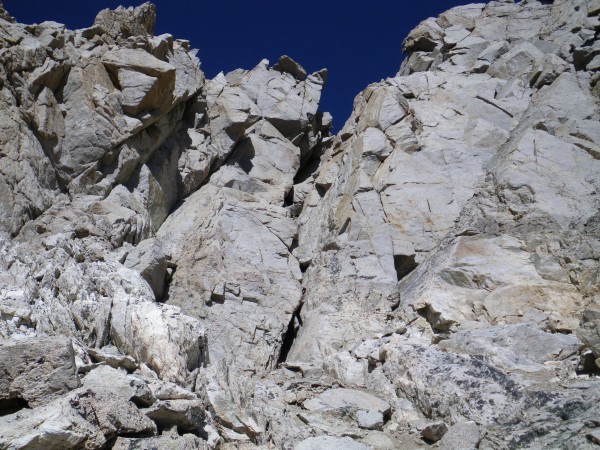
191 263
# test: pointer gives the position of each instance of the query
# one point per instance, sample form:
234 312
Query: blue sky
358 42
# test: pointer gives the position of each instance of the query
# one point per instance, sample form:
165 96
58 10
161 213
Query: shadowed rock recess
199 264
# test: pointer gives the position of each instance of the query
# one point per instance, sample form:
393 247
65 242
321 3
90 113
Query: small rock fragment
370 420
110 355
288 65
594 436
433 432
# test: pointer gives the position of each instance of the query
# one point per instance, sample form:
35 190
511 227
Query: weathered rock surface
123 23
150 261
461 435
82 419
165 441
433 432
129 387
110 355
327 442
36 370
447 208
199 264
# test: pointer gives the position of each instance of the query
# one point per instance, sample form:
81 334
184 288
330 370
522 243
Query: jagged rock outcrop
473 173
191 263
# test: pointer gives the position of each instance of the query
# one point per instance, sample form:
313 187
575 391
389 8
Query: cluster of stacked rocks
199 264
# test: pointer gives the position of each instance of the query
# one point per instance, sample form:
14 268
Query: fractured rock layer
191 263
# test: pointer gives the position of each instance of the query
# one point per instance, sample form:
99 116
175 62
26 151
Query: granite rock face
191 263
37 370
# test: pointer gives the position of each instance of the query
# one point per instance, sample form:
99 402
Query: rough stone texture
590 329
186 415
449 202
129 387
110 355
165 441
150 261
346 400
433 432
37 370
461 435
128 22
328 442
4 15
370 420
287 64
82 419
213 263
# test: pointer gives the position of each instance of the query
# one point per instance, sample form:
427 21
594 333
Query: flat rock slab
139 60
327 425
112 357
117 382
370 420
330 442
347 398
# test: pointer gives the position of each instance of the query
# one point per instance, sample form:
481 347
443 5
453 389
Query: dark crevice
12 405
169 421
438 325
290 334
194 105
345 227
428 313
169 273
140 402
404 264
288 199
371 366
321 190
142 435
331 246
439 337
216 298
294 245
114 79
588 365
242 155
204 358
295 210
428 441
308 169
